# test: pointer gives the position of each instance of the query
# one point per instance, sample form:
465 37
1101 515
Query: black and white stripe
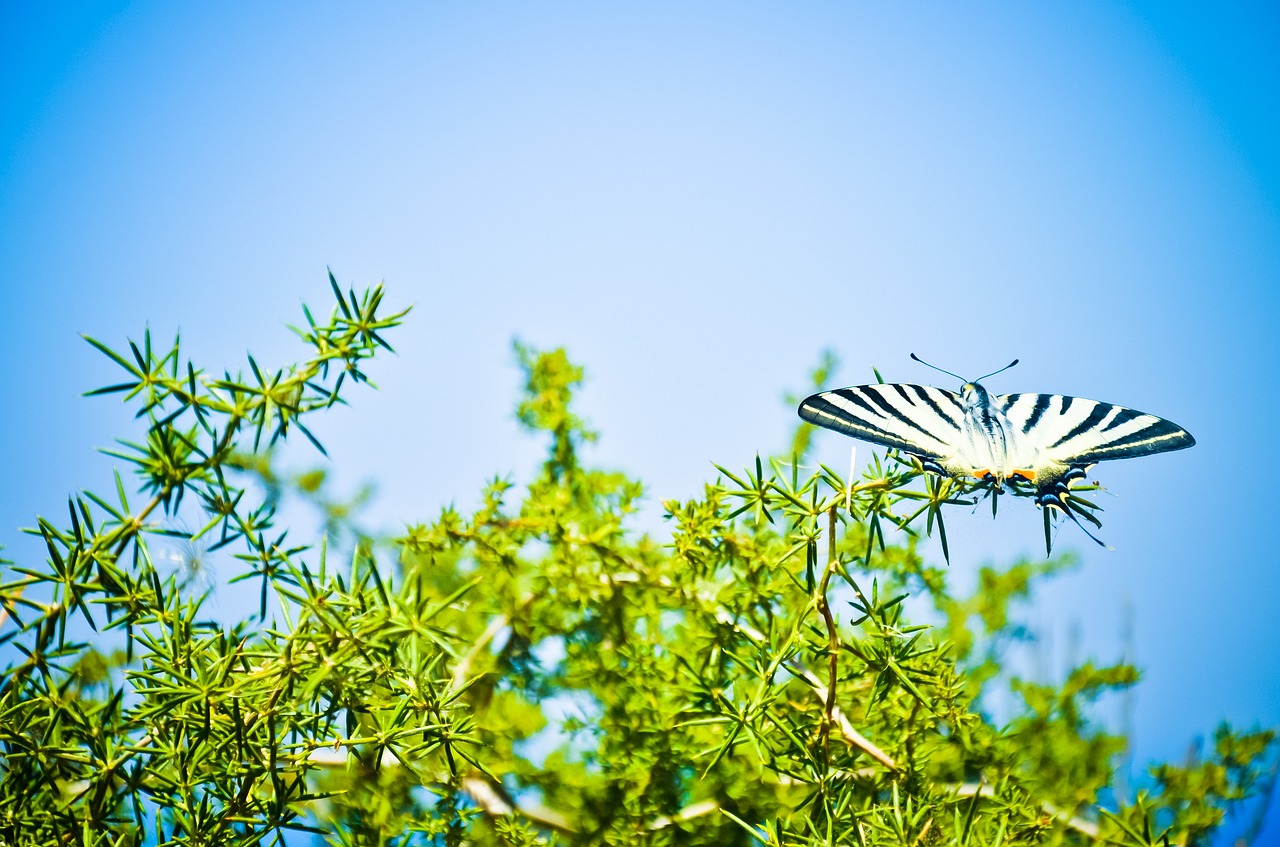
1075 431
917 419
1041 433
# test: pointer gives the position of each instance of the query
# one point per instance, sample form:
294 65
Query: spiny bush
537 671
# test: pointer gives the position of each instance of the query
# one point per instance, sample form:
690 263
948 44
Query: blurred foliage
536 671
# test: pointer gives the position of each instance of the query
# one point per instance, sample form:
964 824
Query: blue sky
695 199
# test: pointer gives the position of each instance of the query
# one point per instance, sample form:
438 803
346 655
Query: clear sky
695 199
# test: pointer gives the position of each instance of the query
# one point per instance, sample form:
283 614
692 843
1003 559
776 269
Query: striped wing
916 419
1075 431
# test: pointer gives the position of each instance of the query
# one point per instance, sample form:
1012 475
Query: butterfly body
989 445
1046 439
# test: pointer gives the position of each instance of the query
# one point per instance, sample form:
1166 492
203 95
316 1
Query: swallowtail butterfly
1048 440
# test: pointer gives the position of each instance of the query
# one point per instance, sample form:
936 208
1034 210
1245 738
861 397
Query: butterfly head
974 396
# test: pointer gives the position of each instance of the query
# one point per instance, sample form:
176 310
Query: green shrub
752 678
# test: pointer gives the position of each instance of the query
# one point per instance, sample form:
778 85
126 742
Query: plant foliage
536 671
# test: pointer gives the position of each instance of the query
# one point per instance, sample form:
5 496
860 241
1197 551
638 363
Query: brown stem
4 611
833 637
224 442
137 524
847 730
463 668
494 800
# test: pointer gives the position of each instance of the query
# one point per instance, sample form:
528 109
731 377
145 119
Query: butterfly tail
1055 494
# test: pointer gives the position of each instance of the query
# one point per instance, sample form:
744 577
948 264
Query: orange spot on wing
1029 476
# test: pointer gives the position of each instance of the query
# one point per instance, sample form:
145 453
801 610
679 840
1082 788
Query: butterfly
1047 440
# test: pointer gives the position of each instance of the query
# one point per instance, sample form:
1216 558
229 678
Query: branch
833 636
4 610
982 789
693 810
496 802
850 735
463 667
492 798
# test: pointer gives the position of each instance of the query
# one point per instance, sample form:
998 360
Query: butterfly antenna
940 370
1002 370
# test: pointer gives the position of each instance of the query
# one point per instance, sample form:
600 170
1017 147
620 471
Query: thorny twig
821 691
833 636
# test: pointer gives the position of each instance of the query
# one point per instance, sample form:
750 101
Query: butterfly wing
1074 431
916 419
